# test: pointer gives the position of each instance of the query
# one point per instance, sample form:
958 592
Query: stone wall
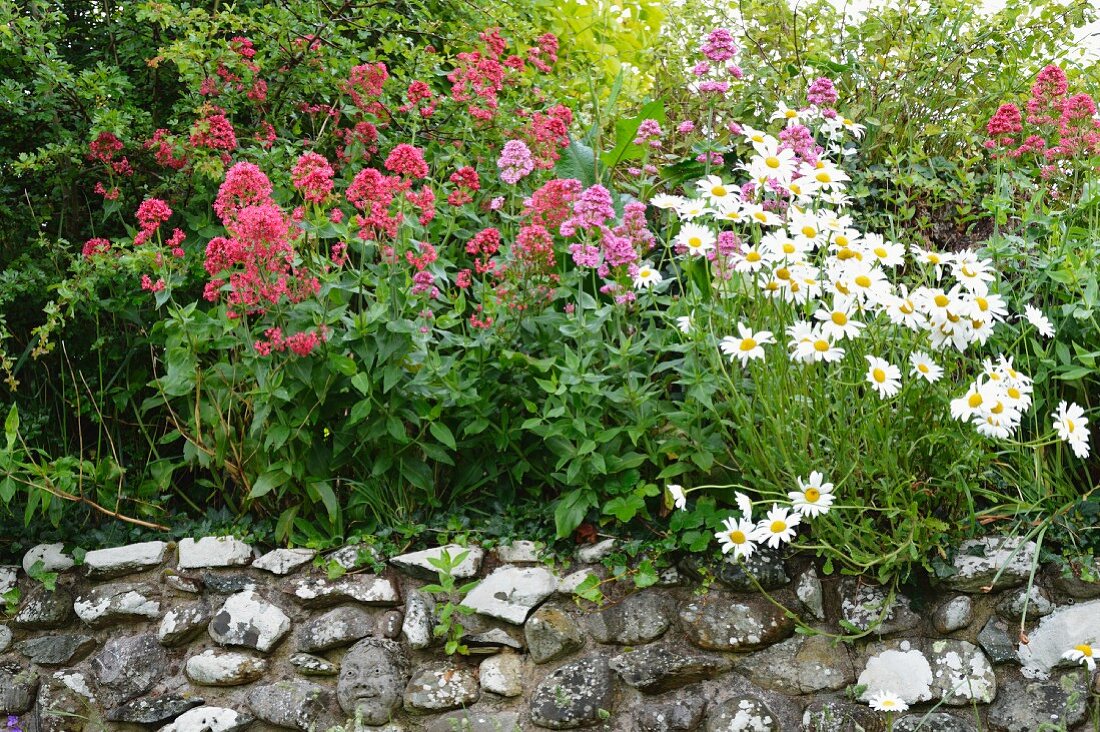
208 635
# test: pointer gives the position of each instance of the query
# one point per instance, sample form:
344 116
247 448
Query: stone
365 588
419 620
655 669
511 593
955 614
978 561
5 638
577 694
128 666
869 607
680 715
899 668
9 576
354 556
638 618
1024 706
996 641
182 583
153 709
721 621
53 557
209 719
1058 632
765 566
248 620
372 680
65 704
183 623
224 668
742 714
309 665
669 577
115 603
1079 582
56 650
800 665
228 584
595 553
44 610
829 715
284 561
440 687
491 641
961 674
389 624
551 634
809 592
294 705
470 720
569 584
338 627
520 552
934 722
1013 606
18 688
120 560
502 674
418 564
213 551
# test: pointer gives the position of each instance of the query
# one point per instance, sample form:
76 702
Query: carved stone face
372 681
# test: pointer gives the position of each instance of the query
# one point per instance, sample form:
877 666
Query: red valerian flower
407 160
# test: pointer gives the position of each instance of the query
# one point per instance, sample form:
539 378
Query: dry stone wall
210 636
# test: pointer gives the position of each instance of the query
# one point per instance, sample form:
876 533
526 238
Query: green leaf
267 483
577 161
443 433
570 511
11 426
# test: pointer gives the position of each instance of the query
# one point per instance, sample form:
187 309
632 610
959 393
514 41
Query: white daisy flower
1072 427
647 276
836 320
698 240
737 536
748 346
813 497
751 259
686 323
1083 654
883 376
714 189
1039 321
922 365
818 347
679 498
886 701
778 527
788 115
664 201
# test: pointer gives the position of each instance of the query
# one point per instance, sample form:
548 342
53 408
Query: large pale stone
978 561
8 578
721 621
511 593
365 588
574 695
128 667
903 670
419 564
1063 629
954 614
209 719
441 686
115 603
213 551
419 621
122 560
502 674
53 558
224 668
294 705
340 626
284 561
961 673
249 621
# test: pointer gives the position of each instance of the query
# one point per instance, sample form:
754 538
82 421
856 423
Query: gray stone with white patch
5 638
871 607
365 588
934 722
9 576
153 709
44 610
800 665
1016 603
53 558
475 720
502 674
680 715
961 674
954 614
1024 705
338 627
56 650
183 622
209 719
294 705
977 562
440 687
595 553
995 639
213 551
721 621
511 593
638 618
742 714
115 603
900 668
18 688
520 552
248 620
127 667
551 634
284 561
120 560
419 620
658 668
1058 632
224 668
575 695
419 564
310 665
810 593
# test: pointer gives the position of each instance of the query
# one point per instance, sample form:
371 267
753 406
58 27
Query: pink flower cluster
372 193
312 175
719 48
649 133
515 162
365 83
214 132
150 215
822 93
408 161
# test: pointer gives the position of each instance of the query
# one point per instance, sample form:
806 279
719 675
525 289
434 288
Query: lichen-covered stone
954 614
388 624
551 634
978 561
365 588
655 669
492 640
309 665
996 641
520 552
338 627
511 593
209 719
224 668
935 722
1077 581
638 618
5 638
222 583
764 568
679 715
247 620
213 551
961 674
809 592
294 705
577 694
1058 632
47 558
151 710
800 665
128 666
475 720
44 610
871 607
572 582
900 668
595 553
56 650
831 715
1016 603
1024 705
115 603
18 687
120 560
65 704
419 620
721 621
502 674
440 687
183 622
742 714
419 564
284 561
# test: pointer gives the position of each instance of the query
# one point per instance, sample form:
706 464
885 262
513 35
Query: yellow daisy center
790 114
923 368
783 273
906 307
1085 649
644 272
863 281
718 191
752 257
841 240
941 300
809 232
845 253
812 494
695 242
761 216
772 162
975 400
748 344
840 318
1069 425
1013 392
933 258
880 375
842 288
823 177
788 248
880 252
983 304
778 527
967 272
737 537
821 345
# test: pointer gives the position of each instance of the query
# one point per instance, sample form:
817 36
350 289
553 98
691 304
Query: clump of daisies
741 535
